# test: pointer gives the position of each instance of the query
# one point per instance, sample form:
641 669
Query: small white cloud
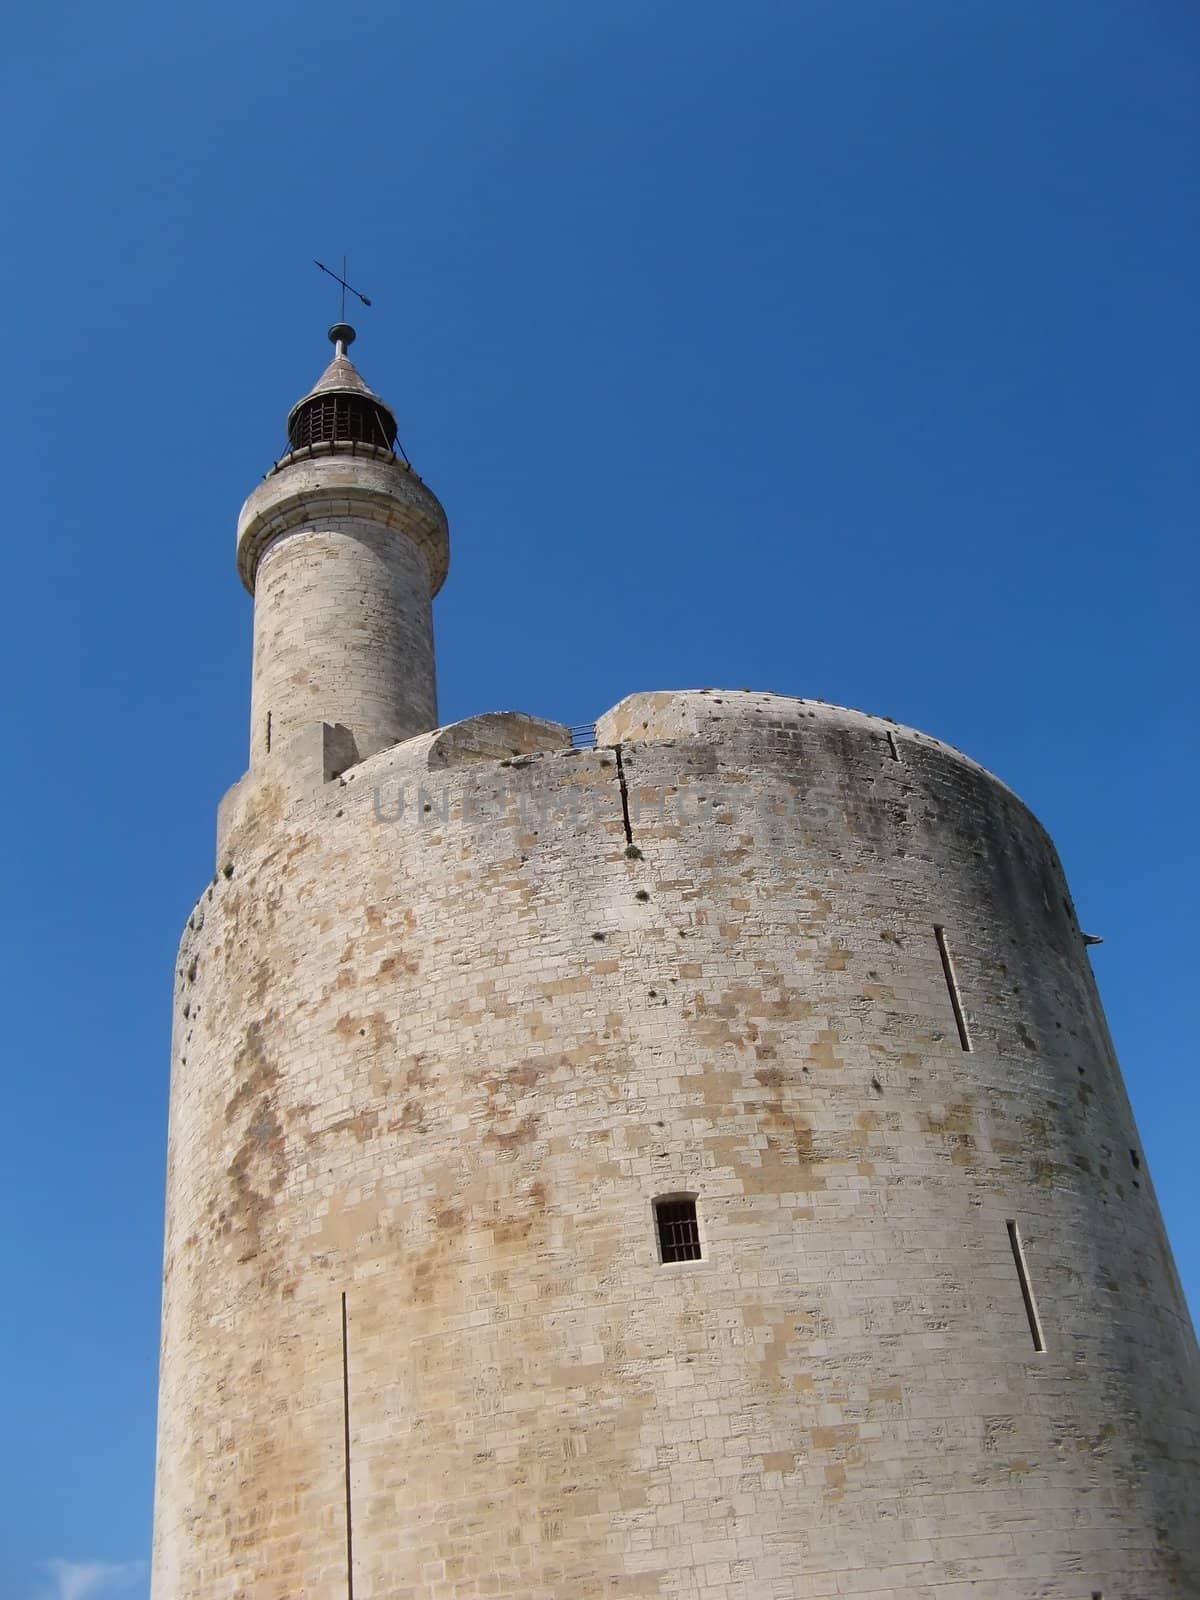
87 1580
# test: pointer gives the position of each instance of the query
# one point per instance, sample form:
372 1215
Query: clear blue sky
837 347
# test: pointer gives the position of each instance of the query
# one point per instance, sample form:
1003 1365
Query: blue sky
837 347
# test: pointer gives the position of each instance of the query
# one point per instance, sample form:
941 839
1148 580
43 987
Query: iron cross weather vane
341 279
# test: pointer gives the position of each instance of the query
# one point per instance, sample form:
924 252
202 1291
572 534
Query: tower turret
343 548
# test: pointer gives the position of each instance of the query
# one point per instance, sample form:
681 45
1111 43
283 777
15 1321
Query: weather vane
342 280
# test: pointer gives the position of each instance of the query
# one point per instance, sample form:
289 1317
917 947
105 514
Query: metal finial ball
341 333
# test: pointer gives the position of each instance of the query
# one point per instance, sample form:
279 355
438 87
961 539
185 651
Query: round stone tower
693 1167
343 548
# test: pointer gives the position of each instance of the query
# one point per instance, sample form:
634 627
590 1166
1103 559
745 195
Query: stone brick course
343 549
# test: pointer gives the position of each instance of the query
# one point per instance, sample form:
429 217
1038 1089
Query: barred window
678 1230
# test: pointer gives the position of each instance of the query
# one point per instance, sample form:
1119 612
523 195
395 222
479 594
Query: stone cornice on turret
341 479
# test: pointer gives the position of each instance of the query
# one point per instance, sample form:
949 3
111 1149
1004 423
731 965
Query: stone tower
693 1167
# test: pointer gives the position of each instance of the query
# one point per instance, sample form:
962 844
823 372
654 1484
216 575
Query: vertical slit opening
964 1037
624 788
1031 1310
893 746
346 1448
268 733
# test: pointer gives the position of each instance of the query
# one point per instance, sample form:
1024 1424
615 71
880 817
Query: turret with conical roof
343 548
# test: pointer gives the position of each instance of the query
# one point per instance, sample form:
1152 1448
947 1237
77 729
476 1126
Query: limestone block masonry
343 548
449 1023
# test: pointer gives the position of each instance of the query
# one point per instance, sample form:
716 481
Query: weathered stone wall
445 1030
343 553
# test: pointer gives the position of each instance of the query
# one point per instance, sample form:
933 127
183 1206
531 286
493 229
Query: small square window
678 1232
